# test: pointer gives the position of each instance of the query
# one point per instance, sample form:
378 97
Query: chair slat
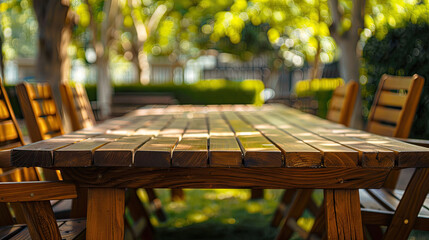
392 99
397 83
389 115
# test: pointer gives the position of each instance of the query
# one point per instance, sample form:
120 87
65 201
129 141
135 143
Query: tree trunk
104 87
347 42
55 25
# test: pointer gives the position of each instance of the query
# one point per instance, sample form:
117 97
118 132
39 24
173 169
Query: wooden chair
79 110
76 103
391 114
340 110
40 112
33 199
342 103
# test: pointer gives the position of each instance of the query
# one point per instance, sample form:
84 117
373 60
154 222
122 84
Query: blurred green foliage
216 91
402 51
321 89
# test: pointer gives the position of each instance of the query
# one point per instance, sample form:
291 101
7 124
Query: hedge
403 52
205 92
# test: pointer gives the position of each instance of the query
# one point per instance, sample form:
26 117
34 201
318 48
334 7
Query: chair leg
139 213
299 204
318 228
406 213
256 194
177 194
40 220
281 208
156 203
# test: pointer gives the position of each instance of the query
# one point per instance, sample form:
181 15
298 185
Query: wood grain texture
106 207
79 154
36 191
39 154
190 152
224 152
40 220
156 152
343 217
271 178
120 152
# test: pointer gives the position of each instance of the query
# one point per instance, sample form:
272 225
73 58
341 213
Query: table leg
343 216
106 207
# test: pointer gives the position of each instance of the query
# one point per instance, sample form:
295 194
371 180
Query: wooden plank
79 154
334 154
72 229
120 152
191 152
257 150
396 83
343 217
370 155
390 115
40 153
176 128
381 129
392 99
106 208
224 148
192 149
35 191
8 131
6 232
224 152
258 178
296 152
155 126
156 152
407 155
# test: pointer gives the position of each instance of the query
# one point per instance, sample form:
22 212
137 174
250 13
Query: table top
220 136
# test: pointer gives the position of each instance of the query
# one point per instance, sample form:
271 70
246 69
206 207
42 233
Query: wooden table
226 146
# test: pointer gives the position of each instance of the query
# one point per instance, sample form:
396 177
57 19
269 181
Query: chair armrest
419 142
5 158
36 191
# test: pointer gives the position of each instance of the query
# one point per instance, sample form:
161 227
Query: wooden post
106 207
40 220
343 217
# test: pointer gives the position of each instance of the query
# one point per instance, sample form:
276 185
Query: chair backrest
395 105
10 134
77 106
40 112
342 103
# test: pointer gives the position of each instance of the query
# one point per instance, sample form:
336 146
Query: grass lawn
226 214
219 214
